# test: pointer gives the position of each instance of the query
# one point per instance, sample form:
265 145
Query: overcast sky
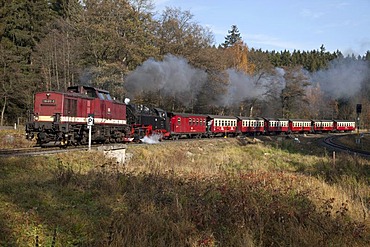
285 24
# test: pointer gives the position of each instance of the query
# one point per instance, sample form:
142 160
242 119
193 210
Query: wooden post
333 158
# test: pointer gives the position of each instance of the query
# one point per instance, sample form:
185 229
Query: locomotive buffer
90 123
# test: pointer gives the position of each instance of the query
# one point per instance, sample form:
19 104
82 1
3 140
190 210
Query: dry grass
14 139
221 192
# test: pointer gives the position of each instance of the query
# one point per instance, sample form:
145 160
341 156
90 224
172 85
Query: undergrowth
14 139
212 193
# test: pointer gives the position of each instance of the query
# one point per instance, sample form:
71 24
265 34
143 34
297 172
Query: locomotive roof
83 89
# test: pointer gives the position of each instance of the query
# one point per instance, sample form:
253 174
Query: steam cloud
343 78
242 87
174 77
171 77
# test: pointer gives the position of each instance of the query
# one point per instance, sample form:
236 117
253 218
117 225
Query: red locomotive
60 118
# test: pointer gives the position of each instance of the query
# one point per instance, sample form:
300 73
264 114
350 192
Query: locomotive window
189 121
179 121
108 97
91 93
101 96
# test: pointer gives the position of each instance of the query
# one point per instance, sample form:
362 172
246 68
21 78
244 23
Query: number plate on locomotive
48 101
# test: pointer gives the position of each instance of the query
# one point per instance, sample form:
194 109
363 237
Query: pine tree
233 37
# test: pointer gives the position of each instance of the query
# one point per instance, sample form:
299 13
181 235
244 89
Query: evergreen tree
233 37
23 24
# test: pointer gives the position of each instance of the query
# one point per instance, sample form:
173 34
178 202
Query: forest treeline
167 60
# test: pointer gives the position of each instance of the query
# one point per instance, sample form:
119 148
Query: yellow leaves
239 58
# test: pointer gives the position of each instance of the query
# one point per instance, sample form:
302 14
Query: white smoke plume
242 87
152 139
171 77
343 78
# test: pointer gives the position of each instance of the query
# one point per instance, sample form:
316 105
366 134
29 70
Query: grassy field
219 192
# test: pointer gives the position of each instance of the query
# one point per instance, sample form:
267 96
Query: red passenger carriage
344 125
251 125
276 125
321 126
300 126
221 125
185 124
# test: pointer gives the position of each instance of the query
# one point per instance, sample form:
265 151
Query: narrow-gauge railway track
37 151
331 142
34 151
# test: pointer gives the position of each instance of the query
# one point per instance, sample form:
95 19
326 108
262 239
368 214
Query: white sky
304 25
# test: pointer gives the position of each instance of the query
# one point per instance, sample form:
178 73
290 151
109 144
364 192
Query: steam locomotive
64 118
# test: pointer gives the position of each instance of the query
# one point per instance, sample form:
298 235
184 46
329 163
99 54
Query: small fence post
333 158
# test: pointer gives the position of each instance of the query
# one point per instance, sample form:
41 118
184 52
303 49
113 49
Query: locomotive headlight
36 118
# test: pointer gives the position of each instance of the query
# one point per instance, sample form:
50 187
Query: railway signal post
358 111
90 123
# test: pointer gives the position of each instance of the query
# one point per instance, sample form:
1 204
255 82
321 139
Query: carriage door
70 108
70 111
88 107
